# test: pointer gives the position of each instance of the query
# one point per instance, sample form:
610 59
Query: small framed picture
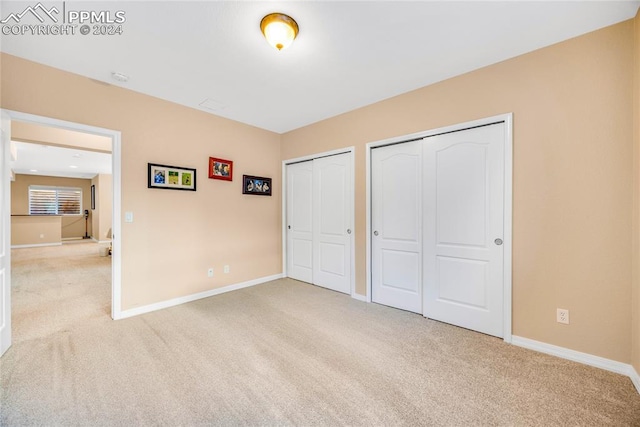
220 169
171 177
256 185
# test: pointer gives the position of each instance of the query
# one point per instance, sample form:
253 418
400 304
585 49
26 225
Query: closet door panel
332 228
300 221
396 221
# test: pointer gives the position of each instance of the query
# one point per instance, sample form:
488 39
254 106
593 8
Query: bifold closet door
332 228
300 221
396 194
464 227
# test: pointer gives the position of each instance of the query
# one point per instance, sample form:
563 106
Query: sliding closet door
396 222
300 221
463 228
332 228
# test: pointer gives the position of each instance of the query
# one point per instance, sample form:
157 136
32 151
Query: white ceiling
38 159
347 55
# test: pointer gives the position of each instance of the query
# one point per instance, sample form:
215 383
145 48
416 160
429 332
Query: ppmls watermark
40 20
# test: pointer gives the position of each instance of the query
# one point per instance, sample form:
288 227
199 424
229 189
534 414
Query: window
55 200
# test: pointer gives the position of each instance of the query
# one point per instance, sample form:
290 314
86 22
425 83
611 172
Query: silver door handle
375 233
348 231
498 242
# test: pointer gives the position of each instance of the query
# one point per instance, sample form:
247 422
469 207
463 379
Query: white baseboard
100 241
75 241
577 356
359 297
37 245
193 297
635 378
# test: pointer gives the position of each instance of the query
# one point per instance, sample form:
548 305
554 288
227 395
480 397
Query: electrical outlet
210 272
226 268
562 316
42 236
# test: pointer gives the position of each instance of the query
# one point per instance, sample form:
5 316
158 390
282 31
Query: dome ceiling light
279 29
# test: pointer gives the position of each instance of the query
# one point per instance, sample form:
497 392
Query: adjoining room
61 209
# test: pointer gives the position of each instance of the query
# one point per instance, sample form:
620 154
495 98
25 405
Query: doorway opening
100 228
61 230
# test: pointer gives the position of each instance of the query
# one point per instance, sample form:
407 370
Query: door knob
348 231
375 233
498 242
289 227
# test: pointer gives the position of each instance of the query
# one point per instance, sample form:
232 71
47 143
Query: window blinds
55 200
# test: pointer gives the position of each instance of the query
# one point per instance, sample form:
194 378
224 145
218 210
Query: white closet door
463 228
332 228
300 221
396 264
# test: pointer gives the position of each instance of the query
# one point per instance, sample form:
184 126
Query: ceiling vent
212 105
120 77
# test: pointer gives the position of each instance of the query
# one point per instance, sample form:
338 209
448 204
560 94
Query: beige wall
102 214
105 204
29 132
72 225
176 235
572 198
635 302
36 230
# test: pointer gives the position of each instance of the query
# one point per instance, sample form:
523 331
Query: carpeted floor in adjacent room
281 353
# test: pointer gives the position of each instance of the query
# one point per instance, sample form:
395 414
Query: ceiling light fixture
279 29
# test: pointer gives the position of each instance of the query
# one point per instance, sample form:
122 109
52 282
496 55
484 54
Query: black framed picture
171 177
93 197
256 185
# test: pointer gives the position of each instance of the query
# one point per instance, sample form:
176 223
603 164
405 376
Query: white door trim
507 119
5 226
116 150
351 150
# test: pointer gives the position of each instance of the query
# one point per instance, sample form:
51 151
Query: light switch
128 217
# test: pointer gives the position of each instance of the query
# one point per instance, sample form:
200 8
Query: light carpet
281 353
